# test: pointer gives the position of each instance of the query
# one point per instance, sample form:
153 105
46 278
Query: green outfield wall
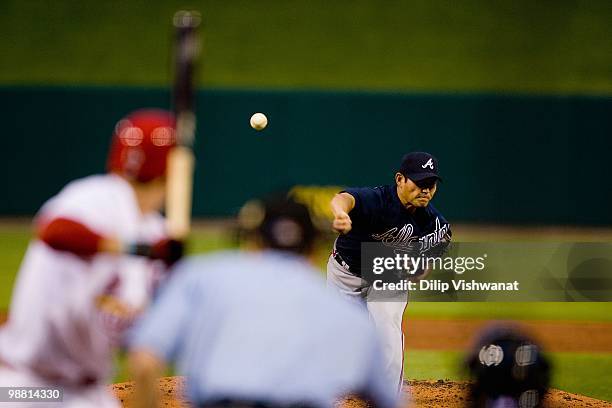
504 158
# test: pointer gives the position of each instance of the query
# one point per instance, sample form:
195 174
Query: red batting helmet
141 143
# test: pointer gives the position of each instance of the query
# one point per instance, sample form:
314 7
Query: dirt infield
422 393
554 336
457 334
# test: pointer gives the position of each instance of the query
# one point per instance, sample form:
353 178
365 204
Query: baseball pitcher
395 214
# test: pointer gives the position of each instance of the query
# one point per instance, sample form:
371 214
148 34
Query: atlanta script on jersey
379 215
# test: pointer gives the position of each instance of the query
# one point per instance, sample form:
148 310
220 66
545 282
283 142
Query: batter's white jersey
68 312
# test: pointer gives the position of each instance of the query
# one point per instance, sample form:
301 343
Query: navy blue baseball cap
419 166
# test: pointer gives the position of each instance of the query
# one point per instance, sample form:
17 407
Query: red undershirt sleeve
64 234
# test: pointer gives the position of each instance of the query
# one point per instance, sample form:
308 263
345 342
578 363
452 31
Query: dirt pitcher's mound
438 393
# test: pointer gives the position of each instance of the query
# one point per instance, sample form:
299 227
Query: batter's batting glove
167 250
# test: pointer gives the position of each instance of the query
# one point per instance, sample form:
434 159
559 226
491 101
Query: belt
339 259
237 403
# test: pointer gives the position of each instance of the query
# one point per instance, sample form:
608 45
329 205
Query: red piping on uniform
63 234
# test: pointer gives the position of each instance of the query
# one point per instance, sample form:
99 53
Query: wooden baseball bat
181 159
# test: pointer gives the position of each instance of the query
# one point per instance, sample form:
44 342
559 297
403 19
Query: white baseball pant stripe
387 316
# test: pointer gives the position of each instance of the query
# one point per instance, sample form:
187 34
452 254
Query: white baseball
259 121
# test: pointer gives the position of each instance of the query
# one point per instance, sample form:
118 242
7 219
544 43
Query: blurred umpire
258 327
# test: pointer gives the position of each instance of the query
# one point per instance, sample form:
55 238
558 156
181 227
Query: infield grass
13 243
591 311
14 238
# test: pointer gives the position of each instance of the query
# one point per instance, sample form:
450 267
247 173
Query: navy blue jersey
379 215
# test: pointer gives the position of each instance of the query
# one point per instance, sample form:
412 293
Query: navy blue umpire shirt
379 215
